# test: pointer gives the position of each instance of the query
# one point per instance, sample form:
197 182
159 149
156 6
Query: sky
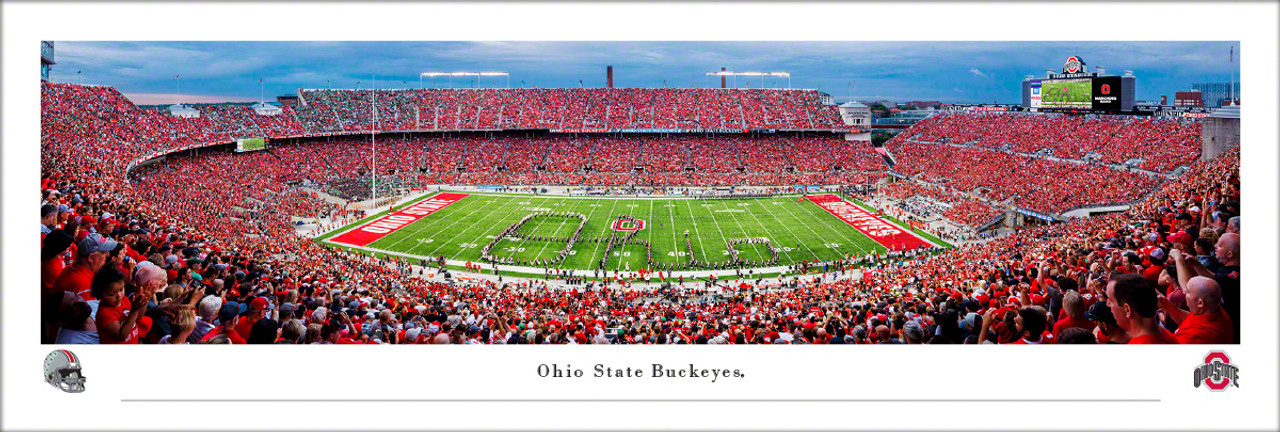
959 72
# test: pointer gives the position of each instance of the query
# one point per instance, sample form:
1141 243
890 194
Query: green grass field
1071 93
798 230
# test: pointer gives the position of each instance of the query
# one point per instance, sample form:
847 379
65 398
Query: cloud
906 70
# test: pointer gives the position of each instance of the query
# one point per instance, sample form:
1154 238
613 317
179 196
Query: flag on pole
1231 57
259 79
175 77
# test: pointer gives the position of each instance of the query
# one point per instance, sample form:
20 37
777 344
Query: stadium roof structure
1231 111
853 104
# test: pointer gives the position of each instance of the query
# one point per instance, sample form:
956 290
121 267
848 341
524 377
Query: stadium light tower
735 75
467 74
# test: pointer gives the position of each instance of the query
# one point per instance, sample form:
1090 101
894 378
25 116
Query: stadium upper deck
575 109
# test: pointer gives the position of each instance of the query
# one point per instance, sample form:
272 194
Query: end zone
886 233
380 227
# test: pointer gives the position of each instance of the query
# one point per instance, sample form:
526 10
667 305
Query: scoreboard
250 144
1075 90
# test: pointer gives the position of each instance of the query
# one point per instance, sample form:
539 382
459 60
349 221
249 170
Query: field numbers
426 240
832 245
524 203
669 205
467 245
621 254
558 204
515 249
677 254
743 204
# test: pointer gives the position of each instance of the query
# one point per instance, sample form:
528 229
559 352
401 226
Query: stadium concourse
201 248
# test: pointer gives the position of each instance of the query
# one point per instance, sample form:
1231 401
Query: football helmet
62 370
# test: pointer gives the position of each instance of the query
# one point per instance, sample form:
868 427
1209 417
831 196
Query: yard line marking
446 229
562 221
695 231
595 252
766 230
675 240
838 228
841 233
718 230
786 226
523 239
428 224
584 230
455 236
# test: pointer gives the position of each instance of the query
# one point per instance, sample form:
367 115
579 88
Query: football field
641 232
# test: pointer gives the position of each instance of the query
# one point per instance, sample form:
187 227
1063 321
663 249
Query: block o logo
1217 373
628 225
1106 89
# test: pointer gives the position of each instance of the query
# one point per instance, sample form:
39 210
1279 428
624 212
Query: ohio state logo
1106 89
1074 64
1217 373
628 224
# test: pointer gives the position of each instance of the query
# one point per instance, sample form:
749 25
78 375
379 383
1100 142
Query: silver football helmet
62 370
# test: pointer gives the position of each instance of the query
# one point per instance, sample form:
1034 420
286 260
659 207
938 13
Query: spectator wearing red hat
1133 302
258 309
1204 322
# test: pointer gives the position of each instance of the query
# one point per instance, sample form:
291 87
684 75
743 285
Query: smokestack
722 81
610 71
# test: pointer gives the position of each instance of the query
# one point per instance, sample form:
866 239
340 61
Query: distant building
1216 94
288 100
46 60
859 117
1164 100
1188 99
922 104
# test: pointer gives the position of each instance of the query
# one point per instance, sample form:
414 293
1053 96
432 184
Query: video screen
1070 93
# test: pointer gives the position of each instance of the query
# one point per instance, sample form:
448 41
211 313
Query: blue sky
900 71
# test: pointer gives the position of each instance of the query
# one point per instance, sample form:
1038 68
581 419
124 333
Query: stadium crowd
1161 144
962 210
596 108
201 249
1033 183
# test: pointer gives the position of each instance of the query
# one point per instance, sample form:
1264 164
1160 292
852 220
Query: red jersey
76 279
108 315
1210 328
244 326
1070 322
235 338
1163 338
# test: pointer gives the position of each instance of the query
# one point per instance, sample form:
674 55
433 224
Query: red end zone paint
379 228
882 232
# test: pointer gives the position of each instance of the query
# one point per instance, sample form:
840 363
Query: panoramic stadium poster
625 202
